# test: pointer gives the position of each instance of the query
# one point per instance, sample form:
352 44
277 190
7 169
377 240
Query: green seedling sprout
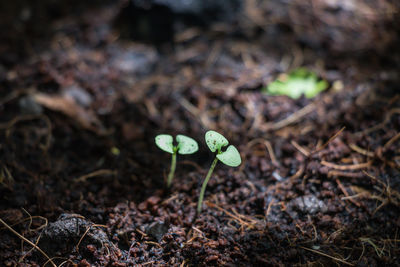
186 145
231 157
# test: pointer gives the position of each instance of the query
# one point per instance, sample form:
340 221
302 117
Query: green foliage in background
296 83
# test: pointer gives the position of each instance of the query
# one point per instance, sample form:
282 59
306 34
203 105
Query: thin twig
391 141
238 217
293 117
361 150
197 114
334 173
28 241
87 230
267 145
83 178
347 167
269 208
301 149
382 124
329 141
326 255
29 227
347 196
153 243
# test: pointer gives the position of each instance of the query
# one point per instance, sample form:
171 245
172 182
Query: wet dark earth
82 182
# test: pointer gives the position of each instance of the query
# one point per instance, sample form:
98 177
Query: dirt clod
62 236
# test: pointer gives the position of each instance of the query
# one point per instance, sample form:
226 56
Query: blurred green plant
296 83
186 145
231 157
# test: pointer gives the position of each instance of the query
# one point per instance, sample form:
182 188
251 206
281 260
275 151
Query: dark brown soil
82 179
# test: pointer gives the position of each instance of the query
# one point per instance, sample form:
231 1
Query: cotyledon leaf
230 157
165 142
215 141
186 144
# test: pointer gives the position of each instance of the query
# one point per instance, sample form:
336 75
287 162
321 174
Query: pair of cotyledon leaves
186 145
215 141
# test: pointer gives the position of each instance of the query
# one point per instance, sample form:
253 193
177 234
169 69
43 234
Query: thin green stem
172 171
203 187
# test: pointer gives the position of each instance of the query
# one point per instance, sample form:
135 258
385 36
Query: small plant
186 145
231 157
298 82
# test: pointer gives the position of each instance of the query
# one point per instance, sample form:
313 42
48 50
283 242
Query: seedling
186 145
231 157
298 82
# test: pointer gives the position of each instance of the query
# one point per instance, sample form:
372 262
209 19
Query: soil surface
83 184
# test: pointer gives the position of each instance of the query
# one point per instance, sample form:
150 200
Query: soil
82 180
